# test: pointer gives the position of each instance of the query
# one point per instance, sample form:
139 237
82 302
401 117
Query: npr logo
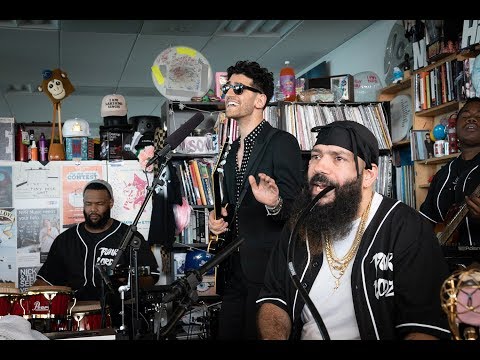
471 33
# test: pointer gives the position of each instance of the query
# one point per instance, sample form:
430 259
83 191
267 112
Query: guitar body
453 239
447 232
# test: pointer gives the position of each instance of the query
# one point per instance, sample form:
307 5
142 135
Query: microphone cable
293 275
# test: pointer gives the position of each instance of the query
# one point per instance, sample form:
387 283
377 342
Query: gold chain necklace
340 265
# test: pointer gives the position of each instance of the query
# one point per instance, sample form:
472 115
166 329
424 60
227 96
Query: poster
74 179
6 199
8 245
27 276
34 181
129 184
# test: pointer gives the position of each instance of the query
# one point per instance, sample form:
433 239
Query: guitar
453 218
216 242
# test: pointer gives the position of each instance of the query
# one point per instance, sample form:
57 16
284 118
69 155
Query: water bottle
287 82
42 147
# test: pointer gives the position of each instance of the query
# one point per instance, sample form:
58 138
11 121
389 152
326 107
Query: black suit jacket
282 161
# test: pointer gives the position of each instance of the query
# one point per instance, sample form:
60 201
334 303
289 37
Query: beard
333 219
100 223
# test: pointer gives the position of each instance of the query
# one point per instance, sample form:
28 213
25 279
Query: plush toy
57 86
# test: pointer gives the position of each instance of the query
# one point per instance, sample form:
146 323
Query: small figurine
429 145
397 75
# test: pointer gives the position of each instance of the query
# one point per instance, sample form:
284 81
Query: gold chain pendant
341 265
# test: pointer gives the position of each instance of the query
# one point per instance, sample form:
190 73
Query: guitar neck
217 201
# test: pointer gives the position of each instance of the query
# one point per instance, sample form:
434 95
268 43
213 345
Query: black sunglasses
238 88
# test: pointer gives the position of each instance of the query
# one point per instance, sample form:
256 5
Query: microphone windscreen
184 130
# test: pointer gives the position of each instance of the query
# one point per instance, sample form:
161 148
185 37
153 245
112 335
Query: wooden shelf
401 143
177 245
439 110
395 88
470 52
193 156
436 63
438 160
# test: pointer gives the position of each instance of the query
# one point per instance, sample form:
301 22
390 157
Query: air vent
19 88
30 24
256 28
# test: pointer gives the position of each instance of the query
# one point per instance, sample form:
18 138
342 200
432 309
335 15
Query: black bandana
352 136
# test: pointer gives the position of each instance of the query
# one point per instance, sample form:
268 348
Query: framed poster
342 87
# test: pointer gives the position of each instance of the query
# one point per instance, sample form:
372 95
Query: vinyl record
401 115
180 73
397 47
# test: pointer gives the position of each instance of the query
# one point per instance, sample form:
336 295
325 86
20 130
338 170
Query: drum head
42 288
86 306
9 290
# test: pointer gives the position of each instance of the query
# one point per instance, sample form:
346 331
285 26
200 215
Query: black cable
290 257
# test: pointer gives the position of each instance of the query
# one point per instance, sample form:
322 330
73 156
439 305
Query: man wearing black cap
76 253
371 265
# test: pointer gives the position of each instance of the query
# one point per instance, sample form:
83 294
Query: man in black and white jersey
76 253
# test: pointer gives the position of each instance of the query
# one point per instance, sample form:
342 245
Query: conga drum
9 297
87 315
47 307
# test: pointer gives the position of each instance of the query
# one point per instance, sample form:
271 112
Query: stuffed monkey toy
57 87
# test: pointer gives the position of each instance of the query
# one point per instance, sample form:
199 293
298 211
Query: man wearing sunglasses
262 177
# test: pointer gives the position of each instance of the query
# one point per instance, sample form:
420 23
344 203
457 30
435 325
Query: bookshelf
298 118
437 91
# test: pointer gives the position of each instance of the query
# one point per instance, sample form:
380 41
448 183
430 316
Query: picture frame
220 79
344 85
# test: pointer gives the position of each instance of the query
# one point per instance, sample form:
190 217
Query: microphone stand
185 288
291 255
129 239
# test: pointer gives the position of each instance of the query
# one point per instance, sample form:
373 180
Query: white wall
364 52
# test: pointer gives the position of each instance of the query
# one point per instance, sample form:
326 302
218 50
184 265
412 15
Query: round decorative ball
439 132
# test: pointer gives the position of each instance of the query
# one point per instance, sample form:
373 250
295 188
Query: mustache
320 178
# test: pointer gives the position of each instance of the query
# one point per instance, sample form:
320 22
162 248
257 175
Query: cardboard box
7 138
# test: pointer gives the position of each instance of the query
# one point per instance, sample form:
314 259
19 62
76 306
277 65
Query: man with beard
370 265
76 253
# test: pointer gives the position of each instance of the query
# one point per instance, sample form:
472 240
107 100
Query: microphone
189 282
293 274
175 139
105 278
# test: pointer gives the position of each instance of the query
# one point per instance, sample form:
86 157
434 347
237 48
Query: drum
87 315
46 302
9 296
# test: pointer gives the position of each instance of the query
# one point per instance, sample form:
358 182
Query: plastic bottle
287 82
31 139
42 145
21 149
34 151
452 135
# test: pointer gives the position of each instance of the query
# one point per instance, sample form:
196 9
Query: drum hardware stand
134 242
122 289
185 288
